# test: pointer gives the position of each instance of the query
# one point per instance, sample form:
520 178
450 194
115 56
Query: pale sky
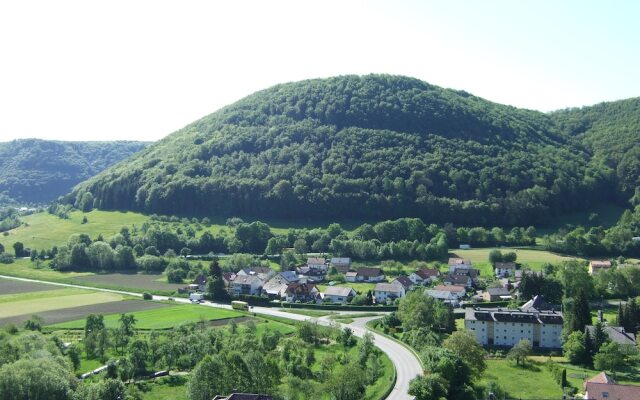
139 70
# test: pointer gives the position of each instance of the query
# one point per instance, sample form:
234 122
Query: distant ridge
374 146
38 171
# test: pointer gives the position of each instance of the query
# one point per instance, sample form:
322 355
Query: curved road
405 362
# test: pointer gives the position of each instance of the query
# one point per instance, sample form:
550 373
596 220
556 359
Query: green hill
611 131
373 146
38 171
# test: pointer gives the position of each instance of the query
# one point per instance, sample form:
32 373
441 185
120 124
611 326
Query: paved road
405 362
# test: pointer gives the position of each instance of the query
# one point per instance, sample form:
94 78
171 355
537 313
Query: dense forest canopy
376 147
38 171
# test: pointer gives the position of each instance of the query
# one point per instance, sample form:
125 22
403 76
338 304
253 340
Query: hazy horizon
121 71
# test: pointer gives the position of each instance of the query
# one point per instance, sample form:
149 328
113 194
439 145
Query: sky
139 70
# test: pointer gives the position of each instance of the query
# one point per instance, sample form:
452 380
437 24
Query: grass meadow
38 305
161 318
44 230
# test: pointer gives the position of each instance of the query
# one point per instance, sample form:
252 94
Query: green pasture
161 318
44 230
534 259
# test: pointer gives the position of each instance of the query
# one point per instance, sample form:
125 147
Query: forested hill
612 132
373 146
38 171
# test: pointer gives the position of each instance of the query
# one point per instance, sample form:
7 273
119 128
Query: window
605 394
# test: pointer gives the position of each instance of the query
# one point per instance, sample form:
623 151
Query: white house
447 293
459 263
384 291
365 274
424 276
338 294
317 263
246 284
264 273
341 264
504 327
505 269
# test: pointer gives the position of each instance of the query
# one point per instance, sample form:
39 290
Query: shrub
147 296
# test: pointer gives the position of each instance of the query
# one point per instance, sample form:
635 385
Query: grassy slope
161 318
45 230
36 305
10 298
534 381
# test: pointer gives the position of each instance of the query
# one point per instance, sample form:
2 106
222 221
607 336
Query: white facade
384 291
496 327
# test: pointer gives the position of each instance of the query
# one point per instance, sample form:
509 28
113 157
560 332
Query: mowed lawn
44 230
534 259
37 305
532 382
161 318
44 294
359 287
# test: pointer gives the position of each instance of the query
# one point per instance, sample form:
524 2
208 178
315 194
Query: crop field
74 313
54 292
10 286
39 305
130 281
44 230
161 318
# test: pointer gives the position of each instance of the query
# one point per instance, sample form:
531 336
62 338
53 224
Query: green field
24 268
44 230
533 259
56 293
37 305
161 318
532 382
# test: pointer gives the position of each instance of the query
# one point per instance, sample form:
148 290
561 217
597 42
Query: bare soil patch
74 313
10 286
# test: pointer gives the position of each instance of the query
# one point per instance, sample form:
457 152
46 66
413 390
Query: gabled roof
388 287
611 391
505 265
497 291
602 377
600 263
427 273
246 280
404 281
351 273
228 276
315 260
459 261
341 260
450 288
535 304
300 288
616 334
369 271
339 291
289 276
457 279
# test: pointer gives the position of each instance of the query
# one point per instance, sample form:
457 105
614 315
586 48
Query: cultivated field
39 305
45 230
75 313
161 318
9 286
130 281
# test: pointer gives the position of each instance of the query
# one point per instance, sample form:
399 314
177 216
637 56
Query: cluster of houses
301 285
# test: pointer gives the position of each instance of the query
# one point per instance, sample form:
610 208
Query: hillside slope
373 146
612 132
38 171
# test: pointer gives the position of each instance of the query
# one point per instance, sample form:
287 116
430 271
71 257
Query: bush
147 296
